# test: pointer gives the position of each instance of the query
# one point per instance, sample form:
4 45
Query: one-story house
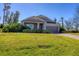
41 23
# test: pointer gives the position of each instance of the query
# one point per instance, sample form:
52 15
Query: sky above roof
51 10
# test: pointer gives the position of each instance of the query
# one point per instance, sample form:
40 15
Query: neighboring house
41 23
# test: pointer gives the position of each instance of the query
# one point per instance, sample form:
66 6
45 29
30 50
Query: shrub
35 31
27 31
9 28
1 25
38 31
70 31
41 31
46 31
23 27
62 30
15 27
75 31
12 28
5 29
32 31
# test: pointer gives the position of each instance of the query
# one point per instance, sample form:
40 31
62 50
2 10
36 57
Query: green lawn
21 44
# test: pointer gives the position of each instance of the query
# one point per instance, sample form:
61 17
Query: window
31 26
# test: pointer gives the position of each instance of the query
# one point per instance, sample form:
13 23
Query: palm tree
62 21
6 12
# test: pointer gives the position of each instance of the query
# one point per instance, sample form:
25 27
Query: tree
16 16
62 21
55 20
69 24
76 19
62 24
6 12
7 17
11 18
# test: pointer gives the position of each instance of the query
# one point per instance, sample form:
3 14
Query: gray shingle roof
46 19
39 18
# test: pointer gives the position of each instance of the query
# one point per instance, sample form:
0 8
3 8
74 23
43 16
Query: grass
29 44
77 34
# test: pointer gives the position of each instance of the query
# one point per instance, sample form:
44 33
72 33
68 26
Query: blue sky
52 10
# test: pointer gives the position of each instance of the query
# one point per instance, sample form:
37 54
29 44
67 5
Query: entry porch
36 25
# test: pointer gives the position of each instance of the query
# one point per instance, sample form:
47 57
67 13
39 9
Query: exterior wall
35 26
44 26
54 28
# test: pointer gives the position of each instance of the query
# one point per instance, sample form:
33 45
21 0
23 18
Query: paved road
70 35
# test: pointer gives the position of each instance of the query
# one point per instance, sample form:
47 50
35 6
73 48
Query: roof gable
46 19
39 18
34 19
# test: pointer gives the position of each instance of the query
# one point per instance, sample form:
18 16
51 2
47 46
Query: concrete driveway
70 35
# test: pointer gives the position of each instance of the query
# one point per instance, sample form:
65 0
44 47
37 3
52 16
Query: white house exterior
41 23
